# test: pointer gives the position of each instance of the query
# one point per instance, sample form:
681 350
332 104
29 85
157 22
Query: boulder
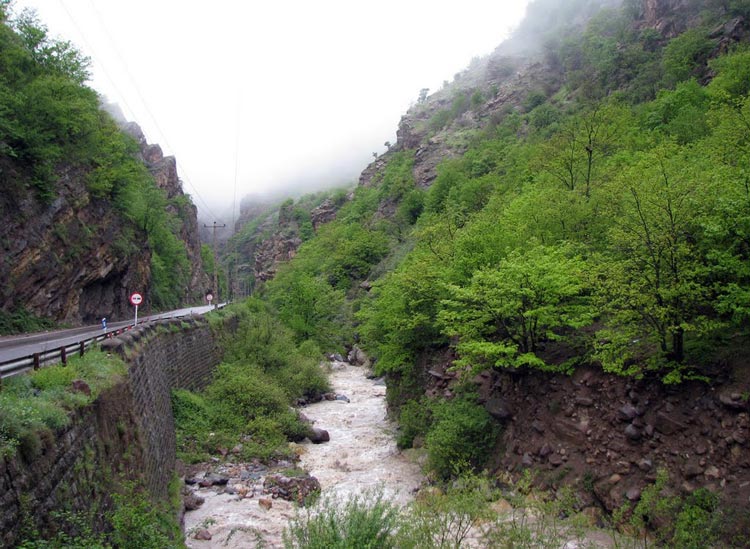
733 401
192 502
202 535
357 357
318 435
498 408
667 424
266 503
633 433
627 412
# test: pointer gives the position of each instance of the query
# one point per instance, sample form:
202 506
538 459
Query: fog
254 97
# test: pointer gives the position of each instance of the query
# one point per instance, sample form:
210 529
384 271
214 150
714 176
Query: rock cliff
164 170
62 260
69 259
441 125
269 234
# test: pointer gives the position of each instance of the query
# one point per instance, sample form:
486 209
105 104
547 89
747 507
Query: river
361 455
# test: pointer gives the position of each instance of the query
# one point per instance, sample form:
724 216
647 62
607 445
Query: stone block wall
172 355
127 433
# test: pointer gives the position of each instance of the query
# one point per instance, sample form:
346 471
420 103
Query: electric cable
146 106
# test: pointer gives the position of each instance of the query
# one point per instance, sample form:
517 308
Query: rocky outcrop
278 233
325 213
278 248
62 260
610 436
164 170
68 260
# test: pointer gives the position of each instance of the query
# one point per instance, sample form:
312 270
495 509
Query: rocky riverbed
239 508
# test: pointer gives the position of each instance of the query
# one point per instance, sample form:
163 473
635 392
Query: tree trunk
678 345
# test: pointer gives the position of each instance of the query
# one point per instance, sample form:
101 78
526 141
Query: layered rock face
68 260
62 260
164 170
277 237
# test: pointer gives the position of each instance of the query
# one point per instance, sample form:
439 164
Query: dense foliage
626 224
248 403
606 224
51 122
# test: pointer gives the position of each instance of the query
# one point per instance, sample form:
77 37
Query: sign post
136 300
209 298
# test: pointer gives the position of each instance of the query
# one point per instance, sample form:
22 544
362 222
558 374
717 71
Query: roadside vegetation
34 406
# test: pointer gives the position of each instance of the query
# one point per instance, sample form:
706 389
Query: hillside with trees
557 247
84 221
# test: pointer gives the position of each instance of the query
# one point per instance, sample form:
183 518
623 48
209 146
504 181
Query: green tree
307 304
55 56
653 284
504 314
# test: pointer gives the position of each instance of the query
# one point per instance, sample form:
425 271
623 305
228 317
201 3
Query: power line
237 155
144 102
92 50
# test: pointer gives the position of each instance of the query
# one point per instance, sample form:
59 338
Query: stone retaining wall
127 433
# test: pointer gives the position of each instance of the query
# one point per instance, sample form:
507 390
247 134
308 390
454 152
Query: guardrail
60 354
53 356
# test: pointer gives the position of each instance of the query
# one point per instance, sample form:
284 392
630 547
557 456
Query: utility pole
216 260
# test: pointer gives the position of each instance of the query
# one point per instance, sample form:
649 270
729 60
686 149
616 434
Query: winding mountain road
25 345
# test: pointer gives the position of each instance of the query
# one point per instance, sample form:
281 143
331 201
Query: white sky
302 89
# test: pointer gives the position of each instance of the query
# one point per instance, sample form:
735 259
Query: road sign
136 299
209 297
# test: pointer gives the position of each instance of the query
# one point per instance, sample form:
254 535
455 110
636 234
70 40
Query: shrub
462 435
414 421
241 393
444 518
137 524
363 521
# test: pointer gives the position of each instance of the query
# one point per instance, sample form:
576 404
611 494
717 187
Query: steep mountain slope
89 214
550 265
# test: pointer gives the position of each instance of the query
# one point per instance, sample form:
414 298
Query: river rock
318 435
299 489
212 479
202 534
192 502
266 503
357 357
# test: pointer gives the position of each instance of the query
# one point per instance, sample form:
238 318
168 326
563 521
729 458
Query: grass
34 405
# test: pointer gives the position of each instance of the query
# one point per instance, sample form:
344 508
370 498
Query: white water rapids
361 455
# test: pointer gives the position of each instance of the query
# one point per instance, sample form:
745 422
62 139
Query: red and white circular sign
136 299
209 297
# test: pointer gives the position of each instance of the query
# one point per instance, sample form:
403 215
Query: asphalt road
20 346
